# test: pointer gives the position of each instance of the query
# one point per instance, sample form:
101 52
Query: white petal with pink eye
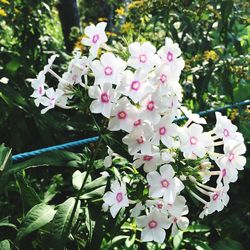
105 97
194 143
165 184
116 198
165 130
135 85
96 37
153 226
109 69
170 54
142 56
139 139
149 162
123 116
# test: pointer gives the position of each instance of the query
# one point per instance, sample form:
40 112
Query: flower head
105 97
153 226
164 184
116 198
95 37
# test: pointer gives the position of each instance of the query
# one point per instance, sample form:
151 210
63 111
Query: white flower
152 106
153 226
225 129
177 210
38 85
194 143
232 161
78 67
171 55
96 37
123 116
116 198
193 117
204 170
108 69
164 184
165 130
105 98
108 159
172 104
165 79
48 66
139 139
218 199
136 210
135 85
159 204
142 56
52 97
149 162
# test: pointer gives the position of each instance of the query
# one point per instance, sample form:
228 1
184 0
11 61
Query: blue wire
26 155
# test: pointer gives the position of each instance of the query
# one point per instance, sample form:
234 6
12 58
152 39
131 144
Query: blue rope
26 155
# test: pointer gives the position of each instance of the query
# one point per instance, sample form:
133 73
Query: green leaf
5 245
77 179
228 244
96 193
196 228
29 195
57 158
60 222
5 223
36 218
177 240
13 65
5 157
101 181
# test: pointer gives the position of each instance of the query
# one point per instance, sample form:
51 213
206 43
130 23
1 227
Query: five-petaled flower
116 198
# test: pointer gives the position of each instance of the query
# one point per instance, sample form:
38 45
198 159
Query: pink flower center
162 131
108 71
119 197
231 157
193 140
163 78
122 115
143 58
226 132
140 140
135 85
104 97
174 219
150 106
147 157
215 196
137 123
170 57
52 101
40 89
159 204
152 224
224 172
95 38
164 183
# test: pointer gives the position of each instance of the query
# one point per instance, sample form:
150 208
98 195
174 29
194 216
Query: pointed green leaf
36 218
60 222
5 245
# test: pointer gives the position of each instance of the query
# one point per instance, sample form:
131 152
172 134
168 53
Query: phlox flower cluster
142 97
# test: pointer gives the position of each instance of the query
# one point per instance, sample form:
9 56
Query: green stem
91 164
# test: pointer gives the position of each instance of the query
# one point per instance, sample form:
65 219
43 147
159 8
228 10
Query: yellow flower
102 19
210 54
135 4
233 114
2 12
120 11
5 1
108 33
127 27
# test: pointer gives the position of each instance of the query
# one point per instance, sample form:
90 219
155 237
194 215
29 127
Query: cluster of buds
142 96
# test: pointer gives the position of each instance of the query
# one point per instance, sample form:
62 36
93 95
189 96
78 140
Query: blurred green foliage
214 38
